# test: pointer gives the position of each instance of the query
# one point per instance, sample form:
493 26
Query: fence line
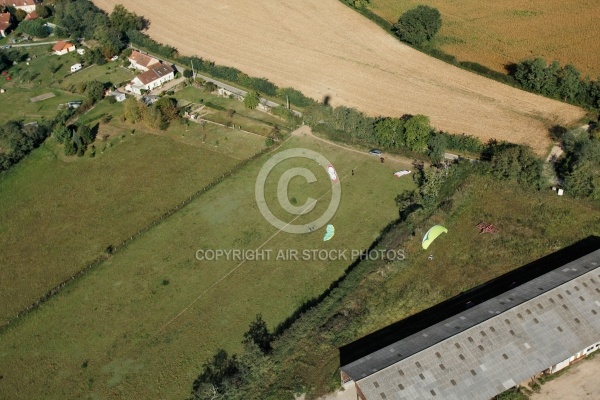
112 249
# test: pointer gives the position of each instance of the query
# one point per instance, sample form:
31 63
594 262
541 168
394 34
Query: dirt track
323 48
579 383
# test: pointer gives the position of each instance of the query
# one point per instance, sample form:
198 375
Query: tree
124 20
34 28
516 162
258 333
60 133
43 11
94 90
437 146
187 73
216 375
252 100
418 25
133 110
389 132
570 83
417 132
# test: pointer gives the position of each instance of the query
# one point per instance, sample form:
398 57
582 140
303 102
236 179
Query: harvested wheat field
323 48
495 33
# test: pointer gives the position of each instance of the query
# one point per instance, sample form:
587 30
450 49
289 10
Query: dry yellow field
323 48
494 33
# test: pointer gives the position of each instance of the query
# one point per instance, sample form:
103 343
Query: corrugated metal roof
507 338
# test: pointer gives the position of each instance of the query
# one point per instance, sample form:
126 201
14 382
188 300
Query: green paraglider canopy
432 234
330 231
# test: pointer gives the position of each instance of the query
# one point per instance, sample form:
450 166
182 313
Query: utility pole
288 101
193 71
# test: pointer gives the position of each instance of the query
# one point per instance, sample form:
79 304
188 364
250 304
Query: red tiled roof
4 21
142 59
60 46
32 15
155 73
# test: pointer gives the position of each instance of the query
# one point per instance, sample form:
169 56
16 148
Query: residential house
26 5
142 61
62 48
151 79
4 24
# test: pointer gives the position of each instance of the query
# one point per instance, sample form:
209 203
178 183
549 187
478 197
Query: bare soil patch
579 383
41 97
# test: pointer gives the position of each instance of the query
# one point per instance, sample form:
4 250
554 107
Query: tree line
563 83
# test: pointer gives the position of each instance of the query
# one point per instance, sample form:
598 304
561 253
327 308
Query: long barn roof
490 347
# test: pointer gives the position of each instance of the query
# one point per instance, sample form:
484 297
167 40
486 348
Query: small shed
81 51
75 67
120 97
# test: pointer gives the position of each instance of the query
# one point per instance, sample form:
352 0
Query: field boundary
112 249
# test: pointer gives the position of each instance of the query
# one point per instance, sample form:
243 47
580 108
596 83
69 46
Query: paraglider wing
329 233
332 173
432 234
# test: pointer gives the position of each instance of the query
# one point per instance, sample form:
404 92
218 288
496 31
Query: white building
75 67
61 48
25 5
142 62
151 79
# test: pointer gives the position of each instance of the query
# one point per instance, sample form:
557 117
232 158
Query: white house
4 24
62 48
75 67
151 79
142 61
25 5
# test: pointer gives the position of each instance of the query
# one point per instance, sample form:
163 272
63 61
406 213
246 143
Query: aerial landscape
326 199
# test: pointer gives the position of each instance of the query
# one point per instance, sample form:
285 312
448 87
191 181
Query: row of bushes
229 74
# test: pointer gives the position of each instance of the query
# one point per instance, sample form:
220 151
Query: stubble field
494 33
325 49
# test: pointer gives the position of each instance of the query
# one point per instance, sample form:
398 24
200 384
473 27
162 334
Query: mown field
324 48
59 213
532 224
495 33
142 324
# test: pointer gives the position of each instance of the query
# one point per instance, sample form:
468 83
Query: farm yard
508 31
323 48
141 324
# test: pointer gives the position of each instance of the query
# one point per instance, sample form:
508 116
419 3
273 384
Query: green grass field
110 72
532 224
58 213
142 324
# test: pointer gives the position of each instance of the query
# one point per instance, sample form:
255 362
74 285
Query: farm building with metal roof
539 326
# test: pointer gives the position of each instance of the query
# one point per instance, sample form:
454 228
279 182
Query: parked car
375 152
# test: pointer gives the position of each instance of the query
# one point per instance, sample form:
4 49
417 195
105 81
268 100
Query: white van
75 68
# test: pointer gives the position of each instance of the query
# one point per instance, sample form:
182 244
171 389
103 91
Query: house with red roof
151 79
62 48
141 61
